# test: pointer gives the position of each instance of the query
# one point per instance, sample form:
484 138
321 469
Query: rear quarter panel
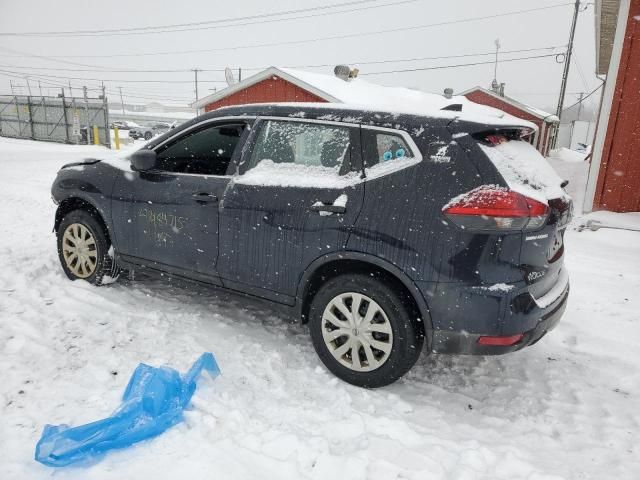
402 222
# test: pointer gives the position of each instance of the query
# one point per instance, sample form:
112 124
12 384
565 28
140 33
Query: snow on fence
54 119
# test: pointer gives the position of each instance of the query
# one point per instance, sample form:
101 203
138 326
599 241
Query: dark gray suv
384 232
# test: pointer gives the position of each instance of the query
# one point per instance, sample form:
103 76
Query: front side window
205 151
382 147
306 144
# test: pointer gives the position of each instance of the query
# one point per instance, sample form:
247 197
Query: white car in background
150 130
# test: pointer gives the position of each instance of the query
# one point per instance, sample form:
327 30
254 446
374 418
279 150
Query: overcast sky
535 81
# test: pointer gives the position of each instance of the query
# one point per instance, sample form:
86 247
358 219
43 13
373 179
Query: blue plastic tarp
152 402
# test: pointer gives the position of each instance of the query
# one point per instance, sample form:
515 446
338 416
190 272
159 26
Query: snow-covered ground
566 408
571 165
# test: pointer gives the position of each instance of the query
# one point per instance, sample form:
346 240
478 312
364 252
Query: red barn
270 85
614 174
547 123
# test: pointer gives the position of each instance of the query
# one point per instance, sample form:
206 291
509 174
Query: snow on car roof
402 100
362 94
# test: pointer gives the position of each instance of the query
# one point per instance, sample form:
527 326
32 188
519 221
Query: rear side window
299 154
382 147
306 144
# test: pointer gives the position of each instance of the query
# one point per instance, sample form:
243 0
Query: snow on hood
361 93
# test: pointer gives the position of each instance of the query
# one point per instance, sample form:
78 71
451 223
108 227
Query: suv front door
168 218
296 196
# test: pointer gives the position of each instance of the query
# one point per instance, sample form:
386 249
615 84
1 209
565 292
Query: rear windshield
524 169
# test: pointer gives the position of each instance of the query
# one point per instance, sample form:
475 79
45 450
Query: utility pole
28 85
580 106
86 113
11 83
195 71
105 109
121 100
567 64
239 74
573 123
65 115
70 91
40 88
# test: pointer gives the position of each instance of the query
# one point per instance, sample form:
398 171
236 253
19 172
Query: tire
147 136
81 233
395 336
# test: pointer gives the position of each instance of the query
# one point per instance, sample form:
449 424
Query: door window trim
308 120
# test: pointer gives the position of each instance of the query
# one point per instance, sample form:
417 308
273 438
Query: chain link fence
54 119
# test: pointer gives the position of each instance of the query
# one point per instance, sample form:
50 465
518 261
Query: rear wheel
363 331
84 249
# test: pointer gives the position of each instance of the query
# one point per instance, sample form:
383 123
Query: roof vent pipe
346 73
342 72
448 92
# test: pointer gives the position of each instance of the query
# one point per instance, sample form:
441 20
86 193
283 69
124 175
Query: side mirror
143 160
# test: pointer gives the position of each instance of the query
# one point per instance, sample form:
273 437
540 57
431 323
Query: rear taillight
494 208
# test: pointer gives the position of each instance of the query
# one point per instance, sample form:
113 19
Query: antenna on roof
228 75
495 86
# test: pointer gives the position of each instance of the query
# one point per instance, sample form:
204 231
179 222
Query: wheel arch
328 266
72 203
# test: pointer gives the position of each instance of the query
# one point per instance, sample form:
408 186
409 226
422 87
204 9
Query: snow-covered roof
358 92
536 112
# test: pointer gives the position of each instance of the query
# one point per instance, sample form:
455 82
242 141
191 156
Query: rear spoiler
459 128
454 107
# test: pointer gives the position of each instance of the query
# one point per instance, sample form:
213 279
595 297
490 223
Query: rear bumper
544 319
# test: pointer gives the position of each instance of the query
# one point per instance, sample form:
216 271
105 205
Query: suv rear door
295 197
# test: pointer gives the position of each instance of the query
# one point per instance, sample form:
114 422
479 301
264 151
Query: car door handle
204 197
328 208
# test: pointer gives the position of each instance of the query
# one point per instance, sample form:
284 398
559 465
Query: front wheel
84 249
364 331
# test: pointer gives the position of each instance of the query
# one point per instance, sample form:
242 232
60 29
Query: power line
51 84
372 62
585 97
403 29
458 65
43 57
400 60
103 70
206 22
260 19
19 75
115 79
34 75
